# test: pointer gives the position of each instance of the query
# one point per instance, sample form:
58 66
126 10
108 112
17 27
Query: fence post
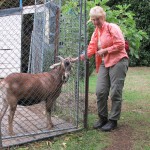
86 71
56 41
20 4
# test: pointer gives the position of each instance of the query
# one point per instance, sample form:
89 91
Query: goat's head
65 65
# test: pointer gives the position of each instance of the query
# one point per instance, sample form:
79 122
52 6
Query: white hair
97 11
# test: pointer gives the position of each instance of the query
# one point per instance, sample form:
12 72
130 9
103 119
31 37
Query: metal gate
31 36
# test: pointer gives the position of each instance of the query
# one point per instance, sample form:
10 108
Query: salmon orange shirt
111 38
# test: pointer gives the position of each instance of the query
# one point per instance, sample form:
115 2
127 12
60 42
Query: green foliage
142 19
69 29
92 83
120 14
125 19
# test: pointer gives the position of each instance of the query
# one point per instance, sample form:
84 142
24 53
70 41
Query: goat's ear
61 58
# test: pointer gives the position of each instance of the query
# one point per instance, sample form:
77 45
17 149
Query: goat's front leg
10 118
49 120
48 114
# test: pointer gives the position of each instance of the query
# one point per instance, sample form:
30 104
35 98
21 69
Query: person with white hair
108 45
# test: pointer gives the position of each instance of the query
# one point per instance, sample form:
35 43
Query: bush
120 14
142 18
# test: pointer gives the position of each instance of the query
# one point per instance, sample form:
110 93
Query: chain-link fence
32 34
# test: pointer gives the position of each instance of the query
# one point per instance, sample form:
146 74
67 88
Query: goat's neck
58 73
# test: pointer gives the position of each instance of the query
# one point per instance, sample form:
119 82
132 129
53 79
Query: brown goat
29 89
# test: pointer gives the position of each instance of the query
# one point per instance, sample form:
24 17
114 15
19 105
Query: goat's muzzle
65 77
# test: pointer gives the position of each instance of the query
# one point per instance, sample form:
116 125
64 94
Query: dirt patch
92 104
144 69
121 138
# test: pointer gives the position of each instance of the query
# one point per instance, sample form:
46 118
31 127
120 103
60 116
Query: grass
137 99
83 140
92 83
135 115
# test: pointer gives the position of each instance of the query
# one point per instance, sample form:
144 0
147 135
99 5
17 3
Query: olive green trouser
111 79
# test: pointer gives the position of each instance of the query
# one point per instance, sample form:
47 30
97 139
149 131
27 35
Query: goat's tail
3 88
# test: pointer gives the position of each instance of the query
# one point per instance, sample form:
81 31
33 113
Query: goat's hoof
50 126
11 133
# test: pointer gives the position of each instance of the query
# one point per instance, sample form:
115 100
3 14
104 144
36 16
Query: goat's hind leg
4 102
2 113
3 110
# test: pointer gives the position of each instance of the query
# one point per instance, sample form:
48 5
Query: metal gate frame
82 3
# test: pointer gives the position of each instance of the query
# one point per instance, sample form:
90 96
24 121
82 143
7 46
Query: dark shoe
110 125
101 122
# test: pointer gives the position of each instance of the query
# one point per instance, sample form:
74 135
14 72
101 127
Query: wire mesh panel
30 39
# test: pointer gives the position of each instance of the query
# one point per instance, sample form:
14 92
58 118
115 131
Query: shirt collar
103 25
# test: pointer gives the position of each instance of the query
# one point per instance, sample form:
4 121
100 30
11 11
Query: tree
120 14
142 19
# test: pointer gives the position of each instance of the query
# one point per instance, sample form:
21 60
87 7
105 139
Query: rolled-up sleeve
117 38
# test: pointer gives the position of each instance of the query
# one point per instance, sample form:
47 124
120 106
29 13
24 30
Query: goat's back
35 87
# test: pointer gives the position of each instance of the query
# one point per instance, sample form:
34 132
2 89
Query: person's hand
102 52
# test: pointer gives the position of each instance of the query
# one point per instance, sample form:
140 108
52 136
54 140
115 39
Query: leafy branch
119 15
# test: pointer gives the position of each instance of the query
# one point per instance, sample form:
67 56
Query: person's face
97 21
